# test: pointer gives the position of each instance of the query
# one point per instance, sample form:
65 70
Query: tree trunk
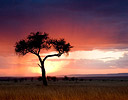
42 66
43 74
43 71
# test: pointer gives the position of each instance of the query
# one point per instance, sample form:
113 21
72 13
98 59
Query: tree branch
40 59
38 51
39 65
33 52
59 54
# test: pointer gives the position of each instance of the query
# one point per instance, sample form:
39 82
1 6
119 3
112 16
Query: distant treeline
65 78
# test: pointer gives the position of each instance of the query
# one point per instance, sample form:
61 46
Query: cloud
121 62
84 64
93 54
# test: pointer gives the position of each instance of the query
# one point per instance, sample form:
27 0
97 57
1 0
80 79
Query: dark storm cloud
98 7
23 8
17 16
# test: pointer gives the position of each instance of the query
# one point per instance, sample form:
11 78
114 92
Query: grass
64 90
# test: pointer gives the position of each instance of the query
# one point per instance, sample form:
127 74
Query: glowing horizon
78 62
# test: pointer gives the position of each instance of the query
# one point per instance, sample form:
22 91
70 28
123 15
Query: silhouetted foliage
33 44
66 78
48 78
37 41
54 78
81 79
73 79
39 79
61 46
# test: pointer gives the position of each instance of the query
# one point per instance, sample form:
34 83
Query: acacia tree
37 41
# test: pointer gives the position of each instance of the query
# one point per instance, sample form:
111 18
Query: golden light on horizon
50 67
56 65
78 62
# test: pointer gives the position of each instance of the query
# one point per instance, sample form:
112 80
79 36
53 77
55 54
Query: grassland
64 90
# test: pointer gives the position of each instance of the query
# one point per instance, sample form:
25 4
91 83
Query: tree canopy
37 41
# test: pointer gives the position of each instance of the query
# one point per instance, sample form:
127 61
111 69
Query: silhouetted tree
72 78
54 78
49 78
37 41
39 78
66 78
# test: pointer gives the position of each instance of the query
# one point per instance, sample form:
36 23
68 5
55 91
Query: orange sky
98 34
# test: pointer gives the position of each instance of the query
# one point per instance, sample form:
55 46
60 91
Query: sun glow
65 64
50 67
53 66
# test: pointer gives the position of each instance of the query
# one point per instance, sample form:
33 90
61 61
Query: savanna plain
65 90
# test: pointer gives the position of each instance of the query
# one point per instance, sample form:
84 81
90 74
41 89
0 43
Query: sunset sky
98 30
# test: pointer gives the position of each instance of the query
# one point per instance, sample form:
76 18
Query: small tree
37 41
